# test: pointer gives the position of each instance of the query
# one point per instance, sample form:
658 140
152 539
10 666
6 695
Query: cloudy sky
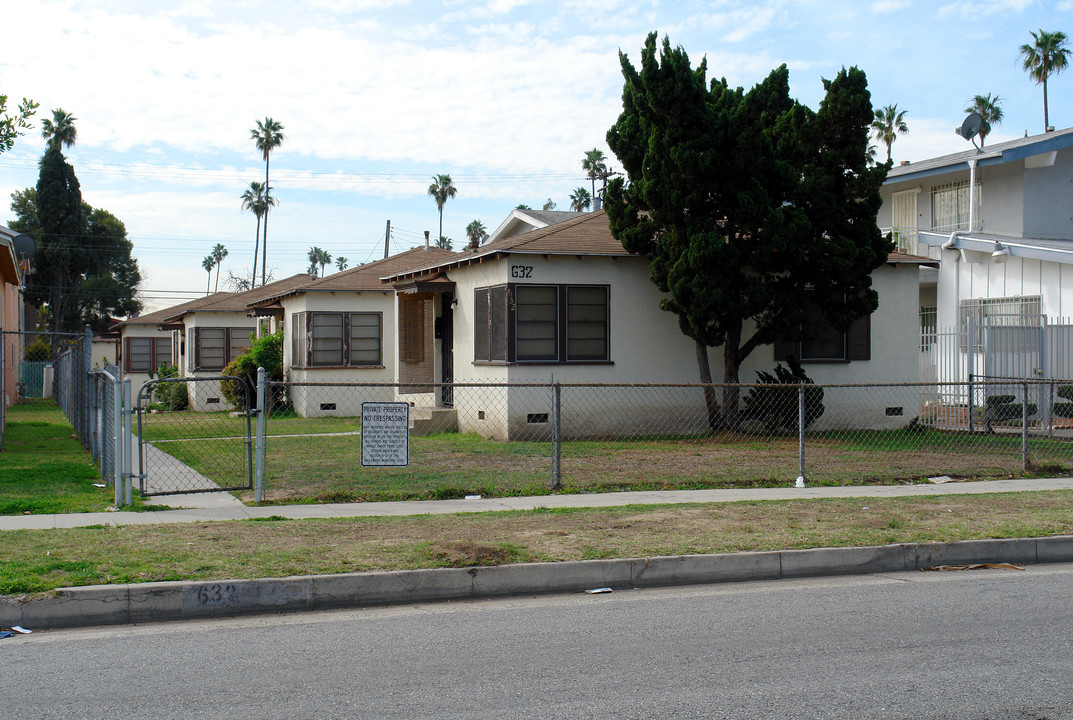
376 96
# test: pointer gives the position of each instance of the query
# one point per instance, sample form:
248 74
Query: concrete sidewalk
223 506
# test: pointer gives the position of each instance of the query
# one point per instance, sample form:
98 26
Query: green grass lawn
42 560
44 469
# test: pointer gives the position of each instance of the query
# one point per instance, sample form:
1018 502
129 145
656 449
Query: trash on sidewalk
940 479
976 566
598 591
800 482
21 630
473 497
99 485
6 634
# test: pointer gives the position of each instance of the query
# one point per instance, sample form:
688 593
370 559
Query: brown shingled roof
363 278
235 302
585 235
158 317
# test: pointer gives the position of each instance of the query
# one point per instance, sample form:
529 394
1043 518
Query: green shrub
38 351
169 396
1012 411
1063 410
1065 392
776 408
267 352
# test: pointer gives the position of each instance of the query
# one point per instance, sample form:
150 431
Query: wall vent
536 418
327 406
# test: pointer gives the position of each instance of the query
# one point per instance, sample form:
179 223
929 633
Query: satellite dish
25 247
971 127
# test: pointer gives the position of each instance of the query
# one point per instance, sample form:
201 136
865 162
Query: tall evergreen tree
751 208
84 272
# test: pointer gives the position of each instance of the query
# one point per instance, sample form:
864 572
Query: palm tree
1046 56
990 111
267 136
889 122
60 130
594 167
218 254
342 262
549 204
523 206
442 189
580 200
317 256
208 263
444 243
476 233
256 201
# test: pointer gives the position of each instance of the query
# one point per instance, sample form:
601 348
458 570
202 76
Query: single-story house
521 221
568 302
351 327
214 331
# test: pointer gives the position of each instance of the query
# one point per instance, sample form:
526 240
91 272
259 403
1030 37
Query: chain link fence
536 438
38 367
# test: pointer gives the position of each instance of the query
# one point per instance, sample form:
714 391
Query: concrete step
430 420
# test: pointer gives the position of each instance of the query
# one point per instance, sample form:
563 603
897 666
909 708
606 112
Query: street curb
153 602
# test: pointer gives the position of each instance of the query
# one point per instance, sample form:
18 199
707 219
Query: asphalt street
985 644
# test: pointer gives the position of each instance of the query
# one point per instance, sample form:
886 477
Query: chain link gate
179 427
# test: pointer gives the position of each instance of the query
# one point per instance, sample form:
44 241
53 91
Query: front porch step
431 420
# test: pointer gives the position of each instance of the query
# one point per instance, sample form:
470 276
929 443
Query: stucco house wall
313 401
646 346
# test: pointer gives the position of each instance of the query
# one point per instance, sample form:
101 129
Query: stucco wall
310 401
646 346
1048 197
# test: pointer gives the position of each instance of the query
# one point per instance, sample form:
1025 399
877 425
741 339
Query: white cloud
880 7
984 8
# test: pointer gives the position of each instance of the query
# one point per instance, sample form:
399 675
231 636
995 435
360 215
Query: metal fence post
800 436
259 445
87 366
118 439
128 474
1024 427
972 419
557 440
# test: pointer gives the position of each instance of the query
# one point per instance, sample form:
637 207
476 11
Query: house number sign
385 434
521 271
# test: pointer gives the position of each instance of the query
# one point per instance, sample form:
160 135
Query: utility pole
387 238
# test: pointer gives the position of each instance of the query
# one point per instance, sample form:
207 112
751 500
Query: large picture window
215 347
541 323
336 339
147 354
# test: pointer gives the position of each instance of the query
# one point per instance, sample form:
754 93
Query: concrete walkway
203 507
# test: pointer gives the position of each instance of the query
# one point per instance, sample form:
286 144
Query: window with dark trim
830 345
215 347
337 339
541 323
146 354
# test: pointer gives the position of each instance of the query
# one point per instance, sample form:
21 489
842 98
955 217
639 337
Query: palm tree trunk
1046 116
256 253
441 226
264 245
217 288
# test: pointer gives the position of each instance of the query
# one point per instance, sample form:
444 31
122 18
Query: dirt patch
465 554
